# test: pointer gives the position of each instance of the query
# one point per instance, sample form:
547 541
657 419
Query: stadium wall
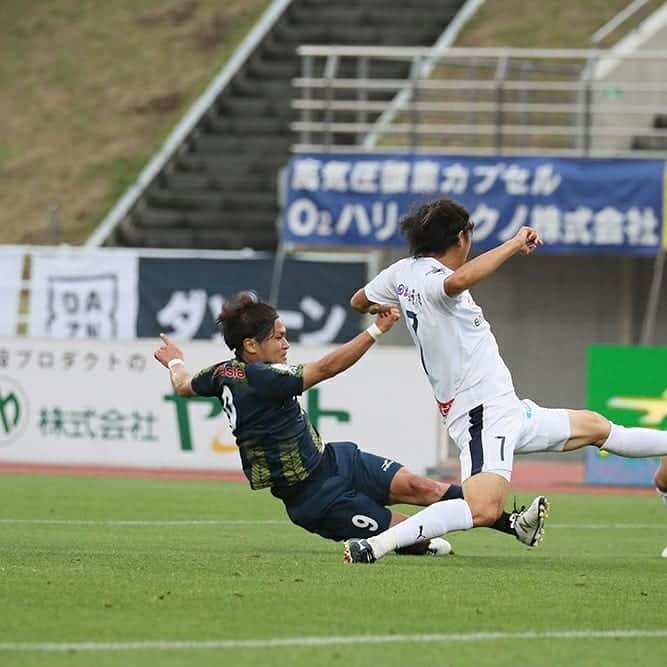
111 404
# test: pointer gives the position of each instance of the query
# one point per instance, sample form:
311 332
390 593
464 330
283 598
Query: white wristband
374 331
174 362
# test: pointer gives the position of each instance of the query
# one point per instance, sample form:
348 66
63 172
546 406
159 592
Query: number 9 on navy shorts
347 496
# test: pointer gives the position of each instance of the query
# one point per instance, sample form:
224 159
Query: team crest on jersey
444 407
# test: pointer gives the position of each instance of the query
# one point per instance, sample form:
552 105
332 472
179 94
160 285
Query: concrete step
253 168
248 219
235 145
184 181
649 143
283 69
377 15
253 86
219 122
183 202
153 218
245 106
260 233
427 6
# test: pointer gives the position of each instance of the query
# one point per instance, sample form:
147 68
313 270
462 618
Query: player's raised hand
387 317
167 351
528 240
378 308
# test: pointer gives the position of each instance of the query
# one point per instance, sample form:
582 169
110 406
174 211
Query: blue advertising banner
183 297
610 470
577 205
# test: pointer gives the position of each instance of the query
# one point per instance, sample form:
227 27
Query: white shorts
490 434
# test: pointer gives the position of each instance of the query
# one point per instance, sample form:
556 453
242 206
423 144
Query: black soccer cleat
358 551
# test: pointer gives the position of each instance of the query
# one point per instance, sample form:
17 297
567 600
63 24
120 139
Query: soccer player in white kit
471 384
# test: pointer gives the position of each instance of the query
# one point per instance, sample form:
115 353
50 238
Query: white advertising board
111 404
11 267
84 296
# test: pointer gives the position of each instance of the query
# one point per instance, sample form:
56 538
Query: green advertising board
628 385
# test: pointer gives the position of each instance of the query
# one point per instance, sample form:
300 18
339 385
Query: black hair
245 316
434 227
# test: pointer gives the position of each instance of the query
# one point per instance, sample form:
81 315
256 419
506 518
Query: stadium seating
220 189
652 143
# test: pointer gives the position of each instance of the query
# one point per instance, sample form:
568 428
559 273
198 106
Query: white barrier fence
111 404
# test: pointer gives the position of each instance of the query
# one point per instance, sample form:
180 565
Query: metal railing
616 21
568 102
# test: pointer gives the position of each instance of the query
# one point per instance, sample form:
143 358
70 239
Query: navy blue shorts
346 496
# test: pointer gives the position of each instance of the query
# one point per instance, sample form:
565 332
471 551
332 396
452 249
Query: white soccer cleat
664 497
439 547
664 552
528 523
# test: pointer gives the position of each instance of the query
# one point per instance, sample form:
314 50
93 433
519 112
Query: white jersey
458 351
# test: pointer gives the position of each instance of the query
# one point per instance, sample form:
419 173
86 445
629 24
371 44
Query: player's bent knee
600 427
485 513
589 427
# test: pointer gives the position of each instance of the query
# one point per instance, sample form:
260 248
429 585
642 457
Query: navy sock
503 524
454 491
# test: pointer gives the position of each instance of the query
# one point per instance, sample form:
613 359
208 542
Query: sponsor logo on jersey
230 372
411 294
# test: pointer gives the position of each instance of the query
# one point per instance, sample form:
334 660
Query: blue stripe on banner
476 450
581 205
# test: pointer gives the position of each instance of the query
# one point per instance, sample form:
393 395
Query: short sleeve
203 384
382 288
278 381
434 286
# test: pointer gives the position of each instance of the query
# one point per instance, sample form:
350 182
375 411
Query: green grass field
170 565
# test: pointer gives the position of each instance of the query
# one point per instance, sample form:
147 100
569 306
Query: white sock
636 443
434 520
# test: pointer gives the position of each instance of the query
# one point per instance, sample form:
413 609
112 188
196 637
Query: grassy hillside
89 91
566 24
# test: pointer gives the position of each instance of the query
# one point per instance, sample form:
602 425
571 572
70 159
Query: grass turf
250 575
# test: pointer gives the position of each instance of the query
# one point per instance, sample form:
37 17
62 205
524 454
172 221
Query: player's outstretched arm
349 353
171 357
362 304
474 271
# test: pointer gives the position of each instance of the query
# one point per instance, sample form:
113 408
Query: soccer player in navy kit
471 384
333 489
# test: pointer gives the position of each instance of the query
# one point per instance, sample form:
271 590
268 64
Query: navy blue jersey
277 443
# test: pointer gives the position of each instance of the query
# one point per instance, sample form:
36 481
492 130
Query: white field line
166 645
278 522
